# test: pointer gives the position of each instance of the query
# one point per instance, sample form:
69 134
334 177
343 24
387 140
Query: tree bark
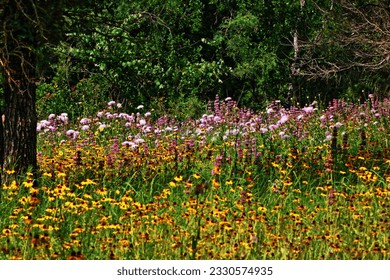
18 61
293 92
20 124
1 143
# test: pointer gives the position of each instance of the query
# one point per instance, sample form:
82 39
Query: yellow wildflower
178 178
215 184
61 175
88 182
28 184
47 174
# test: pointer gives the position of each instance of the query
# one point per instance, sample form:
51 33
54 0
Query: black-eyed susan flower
47 174
215 183
6 232
61 175
178 178
88 182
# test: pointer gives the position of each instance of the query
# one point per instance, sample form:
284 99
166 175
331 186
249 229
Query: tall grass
296 183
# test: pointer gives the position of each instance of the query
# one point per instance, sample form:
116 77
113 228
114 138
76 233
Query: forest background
175 55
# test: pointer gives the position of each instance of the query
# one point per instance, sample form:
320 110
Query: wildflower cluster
286 183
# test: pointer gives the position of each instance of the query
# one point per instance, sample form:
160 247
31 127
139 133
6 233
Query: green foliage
167 50
148 52
186 107
82 99
138 51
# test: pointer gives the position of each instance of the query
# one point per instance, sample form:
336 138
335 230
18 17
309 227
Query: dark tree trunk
1 143
20 125
18 60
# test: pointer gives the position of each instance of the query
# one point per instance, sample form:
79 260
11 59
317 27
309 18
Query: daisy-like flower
102 127
28 184
61 175
130 144
172 184
63 117
72 133
88 182
84 121
178 178
308 110
229 182
283 119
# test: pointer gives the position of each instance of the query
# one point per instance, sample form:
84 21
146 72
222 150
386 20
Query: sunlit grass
282 184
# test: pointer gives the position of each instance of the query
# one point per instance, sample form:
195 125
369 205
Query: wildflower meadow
284 183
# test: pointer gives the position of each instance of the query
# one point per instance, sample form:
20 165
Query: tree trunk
20 125
1 143
18 60
293 93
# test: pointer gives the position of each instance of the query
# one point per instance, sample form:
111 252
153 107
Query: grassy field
291 183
